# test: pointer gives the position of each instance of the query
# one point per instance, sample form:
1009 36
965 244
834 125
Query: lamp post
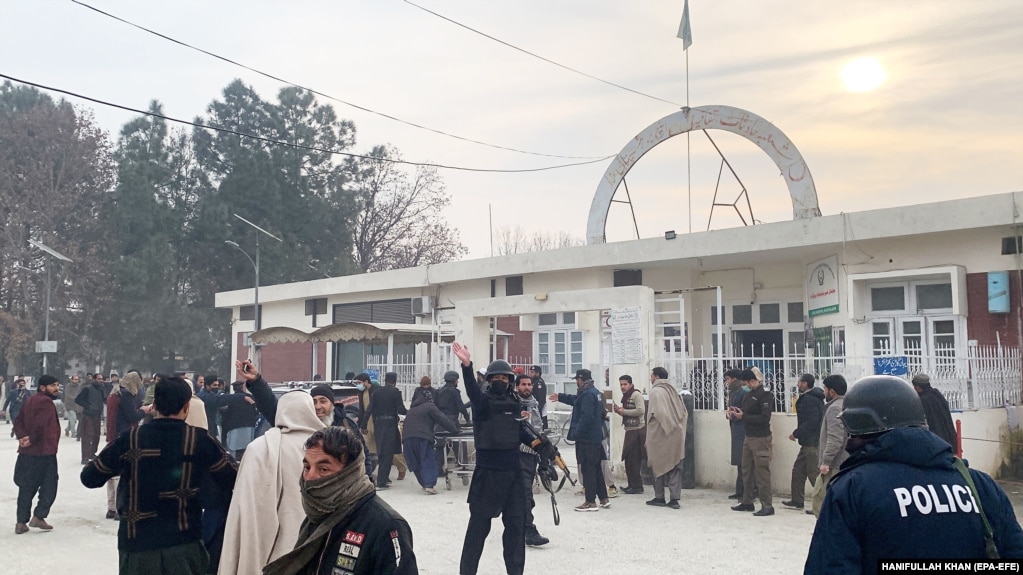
255 266
50 253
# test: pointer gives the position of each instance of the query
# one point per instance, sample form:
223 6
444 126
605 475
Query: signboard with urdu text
822 287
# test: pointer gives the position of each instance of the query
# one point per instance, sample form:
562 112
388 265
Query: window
384 311
575 351
316 306
770 313
559 346
628 278
795 310
245 313
888 298
714 315
934 296
742 314
881 337
513 285
797 343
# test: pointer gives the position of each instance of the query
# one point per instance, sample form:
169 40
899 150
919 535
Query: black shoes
764 512
735 496
673 504
745 507
383 487
657 502
632 490
534 539
793 504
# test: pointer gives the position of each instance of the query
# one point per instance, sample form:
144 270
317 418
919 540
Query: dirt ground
702 537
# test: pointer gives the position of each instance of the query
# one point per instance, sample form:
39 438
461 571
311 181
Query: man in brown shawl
665 438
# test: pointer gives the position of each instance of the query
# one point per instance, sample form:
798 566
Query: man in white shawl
665 438
260 529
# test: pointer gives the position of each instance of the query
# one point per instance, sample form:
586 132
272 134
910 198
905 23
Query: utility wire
288 144
328 96
548 60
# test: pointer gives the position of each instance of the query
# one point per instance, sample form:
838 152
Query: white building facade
931 288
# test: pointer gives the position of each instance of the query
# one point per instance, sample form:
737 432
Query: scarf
627 394
327 501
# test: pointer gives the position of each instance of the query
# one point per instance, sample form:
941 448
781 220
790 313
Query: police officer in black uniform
497 484
900 495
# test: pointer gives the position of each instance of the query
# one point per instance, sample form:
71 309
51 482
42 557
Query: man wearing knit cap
939 416
323 401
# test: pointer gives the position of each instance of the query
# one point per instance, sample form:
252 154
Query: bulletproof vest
499 429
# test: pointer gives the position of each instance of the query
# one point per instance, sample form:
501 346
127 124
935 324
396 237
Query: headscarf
131 381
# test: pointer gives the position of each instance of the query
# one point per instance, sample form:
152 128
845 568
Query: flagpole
689 170
686 34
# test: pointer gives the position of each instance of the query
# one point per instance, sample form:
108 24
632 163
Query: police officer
899 495
497 483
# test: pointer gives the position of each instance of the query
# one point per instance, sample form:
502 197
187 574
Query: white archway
746 124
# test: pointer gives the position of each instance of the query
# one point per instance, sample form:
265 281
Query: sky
945 123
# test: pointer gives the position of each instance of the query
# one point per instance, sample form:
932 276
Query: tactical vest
499 429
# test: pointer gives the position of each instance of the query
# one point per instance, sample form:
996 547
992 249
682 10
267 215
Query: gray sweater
421 418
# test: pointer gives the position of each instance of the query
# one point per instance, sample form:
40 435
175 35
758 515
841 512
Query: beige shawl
666 428
266 510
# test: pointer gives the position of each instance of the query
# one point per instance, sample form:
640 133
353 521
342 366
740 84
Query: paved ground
702 537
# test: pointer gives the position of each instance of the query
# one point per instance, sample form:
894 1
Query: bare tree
399 222
509 240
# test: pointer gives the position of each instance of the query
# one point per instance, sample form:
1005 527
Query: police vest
500 428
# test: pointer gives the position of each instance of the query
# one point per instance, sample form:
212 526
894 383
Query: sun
863 75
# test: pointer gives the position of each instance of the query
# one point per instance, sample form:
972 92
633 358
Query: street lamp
255 266
50 253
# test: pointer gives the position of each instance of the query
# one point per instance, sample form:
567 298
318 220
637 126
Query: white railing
410 371
983 376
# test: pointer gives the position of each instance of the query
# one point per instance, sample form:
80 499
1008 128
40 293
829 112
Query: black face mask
498 387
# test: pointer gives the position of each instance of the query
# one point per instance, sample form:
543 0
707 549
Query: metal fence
983 376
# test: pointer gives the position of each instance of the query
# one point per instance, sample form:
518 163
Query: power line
548 60
288 144
318 93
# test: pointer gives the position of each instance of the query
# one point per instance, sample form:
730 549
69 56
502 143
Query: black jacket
385 405
92 399
159 493
899 497
809 415
372 539
939 417
449 401
238 412
757 406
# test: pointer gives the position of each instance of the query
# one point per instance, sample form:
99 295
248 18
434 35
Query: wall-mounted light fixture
669 235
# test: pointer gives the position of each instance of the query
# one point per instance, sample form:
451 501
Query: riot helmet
879 403
500 367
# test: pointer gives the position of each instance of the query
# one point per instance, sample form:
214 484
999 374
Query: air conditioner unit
422 305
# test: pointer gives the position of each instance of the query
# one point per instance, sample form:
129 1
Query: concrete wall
983 429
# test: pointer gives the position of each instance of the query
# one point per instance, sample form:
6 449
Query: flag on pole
684 31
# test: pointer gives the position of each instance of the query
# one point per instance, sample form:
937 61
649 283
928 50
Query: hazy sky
947 122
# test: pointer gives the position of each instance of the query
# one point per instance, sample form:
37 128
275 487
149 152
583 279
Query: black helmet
880 403
451 375
500 367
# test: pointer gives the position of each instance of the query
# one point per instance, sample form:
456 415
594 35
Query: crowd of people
879 456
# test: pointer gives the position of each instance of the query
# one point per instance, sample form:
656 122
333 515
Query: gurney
459 455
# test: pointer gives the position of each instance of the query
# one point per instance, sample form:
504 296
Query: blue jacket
587 415
899 497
